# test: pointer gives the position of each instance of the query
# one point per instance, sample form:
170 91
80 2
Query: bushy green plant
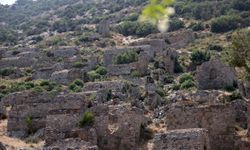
175 24
198 57
187 84
136 73
87 119
136 28
186 76
92 75
160 91
197 26
7 71
29 123
126 57
76 86
168 79
225 23
78 64
101 70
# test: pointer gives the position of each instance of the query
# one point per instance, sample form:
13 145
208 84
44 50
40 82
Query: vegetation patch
87 119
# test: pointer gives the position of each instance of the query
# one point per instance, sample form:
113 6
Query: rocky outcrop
215 75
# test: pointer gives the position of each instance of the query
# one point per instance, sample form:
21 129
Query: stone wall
219 120
37 106
190 139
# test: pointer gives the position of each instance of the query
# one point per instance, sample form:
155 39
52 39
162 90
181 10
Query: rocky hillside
86 74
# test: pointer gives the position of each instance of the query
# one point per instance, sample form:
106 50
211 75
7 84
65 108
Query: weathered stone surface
219 120
177 39
65 52
190 139
37 106
169 60
109 55
215 75
17 62
72 143
119 128
154 100
158 45
66 76
123 69
244 87
115 127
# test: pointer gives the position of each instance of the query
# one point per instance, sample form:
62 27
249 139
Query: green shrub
126 58
87 119
78 64
132 17
76 86
229 88
197 26
186 76
136 73
92 75
160 91
175 24
168 79
215 47
187 84
176 87
29 123
136 28
235 95
225 23
101 70
7 71
199 57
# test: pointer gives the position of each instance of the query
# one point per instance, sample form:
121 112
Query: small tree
239 53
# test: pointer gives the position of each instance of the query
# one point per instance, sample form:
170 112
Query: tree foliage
157 12
239 54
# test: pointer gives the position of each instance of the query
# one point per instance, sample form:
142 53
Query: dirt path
13 143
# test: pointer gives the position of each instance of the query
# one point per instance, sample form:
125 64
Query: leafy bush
132 17
235 95
186 76
187 84
101 70
76 86
186 81
7 71
78 64
242 5
29 123
136 73
92 75
215 47
160 91
175 24
87 119
197 26
225 23
199 57
136 28
237 54
168 79
126 57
